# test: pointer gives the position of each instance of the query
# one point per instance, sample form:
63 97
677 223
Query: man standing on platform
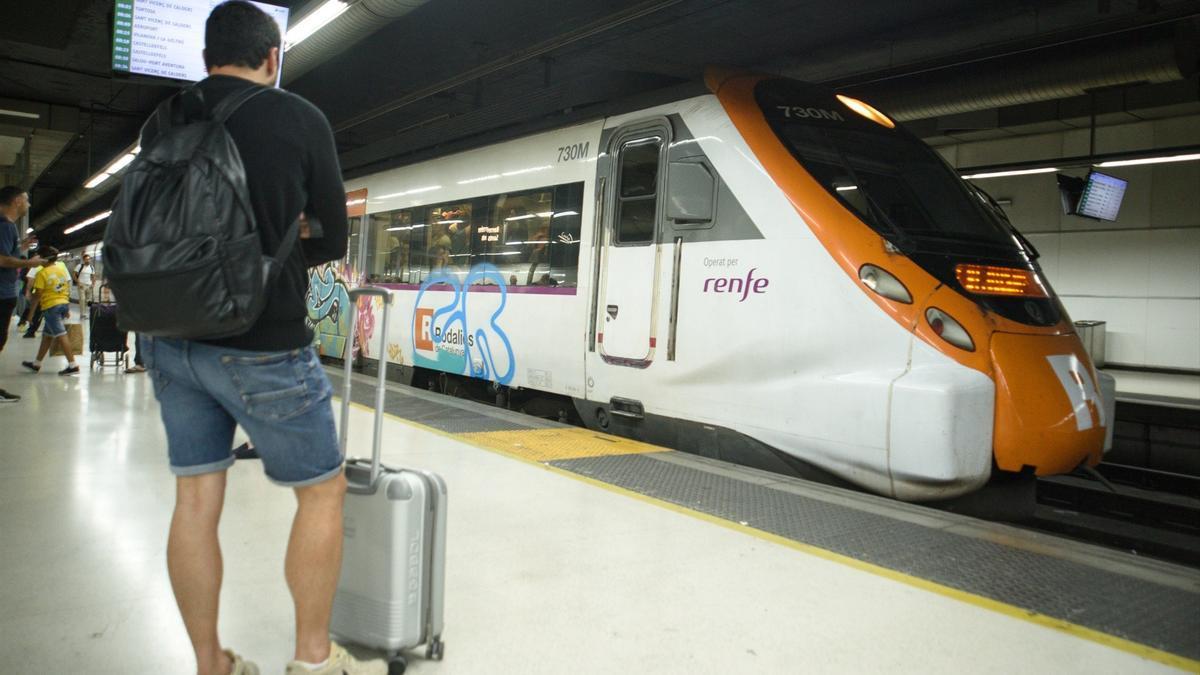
14 204
269 379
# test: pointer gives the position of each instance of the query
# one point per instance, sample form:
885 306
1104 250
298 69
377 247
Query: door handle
612 311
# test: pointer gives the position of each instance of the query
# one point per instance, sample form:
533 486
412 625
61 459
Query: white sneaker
341 663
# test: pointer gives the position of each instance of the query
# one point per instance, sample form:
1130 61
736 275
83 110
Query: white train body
737 325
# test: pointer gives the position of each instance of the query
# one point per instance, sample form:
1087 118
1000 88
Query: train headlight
866 110
883 283
948 329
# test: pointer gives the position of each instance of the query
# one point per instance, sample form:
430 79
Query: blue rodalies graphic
327 302
459 349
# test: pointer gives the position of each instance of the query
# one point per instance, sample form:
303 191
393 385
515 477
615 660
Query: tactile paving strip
1165 618
548 445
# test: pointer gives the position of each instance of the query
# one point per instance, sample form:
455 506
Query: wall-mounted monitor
165 38
1102 195
1098 196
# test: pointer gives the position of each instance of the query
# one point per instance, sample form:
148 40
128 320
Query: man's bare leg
195 566
44 348
314 560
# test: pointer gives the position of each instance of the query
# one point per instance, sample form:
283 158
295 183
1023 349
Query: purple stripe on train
485 288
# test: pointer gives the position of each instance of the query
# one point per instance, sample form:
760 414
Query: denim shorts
281 399
55 320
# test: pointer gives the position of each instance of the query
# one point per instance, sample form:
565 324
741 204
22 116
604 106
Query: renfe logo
737 285
423 329
1077 382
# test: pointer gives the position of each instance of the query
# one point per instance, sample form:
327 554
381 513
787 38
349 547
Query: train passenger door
627 300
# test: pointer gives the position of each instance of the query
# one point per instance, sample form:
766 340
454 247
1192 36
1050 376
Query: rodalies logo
1081 390
445 338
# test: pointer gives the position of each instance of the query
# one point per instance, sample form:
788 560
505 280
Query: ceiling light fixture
114 167
1151 160
313 22
90 221
1017 172
19 113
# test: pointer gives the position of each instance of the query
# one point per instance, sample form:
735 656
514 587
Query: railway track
1144 511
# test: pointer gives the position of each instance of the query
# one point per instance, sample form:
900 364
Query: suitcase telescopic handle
381 389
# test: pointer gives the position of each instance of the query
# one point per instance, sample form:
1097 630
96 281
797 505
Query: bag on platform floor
75 335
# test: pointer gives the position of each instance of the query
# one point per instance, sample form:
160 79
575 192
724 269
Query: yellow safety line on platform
551 445
1075 630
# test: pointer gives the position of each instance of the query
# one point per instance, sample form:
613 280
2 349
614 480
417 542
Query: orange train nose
1049 411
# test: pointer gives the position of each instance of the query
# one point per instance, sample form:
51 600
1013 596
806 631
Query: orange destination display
990 280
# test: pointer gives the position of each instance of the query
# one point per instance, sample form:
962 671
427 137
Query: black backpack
182 252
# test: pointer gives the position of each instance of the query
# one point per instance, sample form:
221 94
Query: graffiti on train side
327 297
443 336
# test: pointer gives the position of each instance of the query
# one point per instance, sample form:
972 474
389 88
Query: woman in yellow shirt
52 291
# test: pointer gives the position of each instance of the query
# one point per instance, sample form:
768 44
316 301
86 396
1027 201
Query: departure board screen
1102 196
165 38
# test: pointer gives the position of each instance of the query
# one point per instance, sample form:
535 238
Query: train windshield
890 179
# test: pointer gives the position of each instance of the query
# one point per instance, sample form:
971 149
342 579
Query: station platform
568 551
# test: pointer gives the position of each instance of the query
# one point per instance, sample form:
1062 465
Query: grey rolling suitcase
390 594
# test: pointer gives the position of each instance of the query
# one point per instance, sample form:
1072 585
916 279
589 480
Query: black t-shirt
291 166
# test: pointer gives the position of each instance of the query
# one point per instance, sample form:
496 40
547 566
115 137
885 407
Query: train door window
637 199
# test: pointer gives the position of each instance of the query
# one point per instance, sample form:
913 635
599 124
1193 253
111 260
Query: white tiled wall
1141 273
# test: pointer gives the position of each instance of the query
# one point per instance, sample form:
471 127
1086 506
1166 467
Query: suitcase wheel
436 650
397 665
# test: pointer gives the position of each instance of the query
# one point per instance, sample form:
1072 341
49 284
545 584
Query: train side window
356 231
637 199
565 227
388 247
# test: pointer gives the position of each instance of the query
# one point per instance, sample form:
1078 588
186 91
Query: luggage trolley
104 335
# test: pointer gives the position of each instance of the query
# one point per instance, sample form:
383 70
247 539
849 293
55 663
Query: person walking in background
33 311
85 279
52 291
14 204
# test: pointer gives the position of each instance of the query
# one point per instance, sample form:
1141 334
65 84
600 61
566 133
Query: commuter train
757 269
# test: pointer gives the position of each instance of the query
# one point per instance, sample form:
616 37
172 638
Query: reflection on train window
450 230
395 248
530 238
637 198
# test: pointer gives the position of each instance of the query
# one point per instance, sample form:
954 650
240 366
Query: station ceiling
454 74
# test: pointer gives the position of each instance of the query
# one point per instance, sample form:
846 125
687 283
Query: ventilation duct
1048 74
358 22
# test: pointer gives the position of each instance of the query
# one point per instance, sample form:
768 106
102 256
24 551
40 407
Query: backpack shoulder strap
232 102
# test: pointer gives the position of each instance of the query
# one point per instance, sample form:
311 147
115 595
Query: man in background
14 204
85 279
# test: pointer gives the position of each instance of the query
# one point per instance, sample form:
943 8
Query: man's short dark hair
47 253
8 193
239 34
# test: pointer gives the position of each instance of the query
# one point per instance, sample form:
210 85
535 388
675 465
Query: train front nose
1054 410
